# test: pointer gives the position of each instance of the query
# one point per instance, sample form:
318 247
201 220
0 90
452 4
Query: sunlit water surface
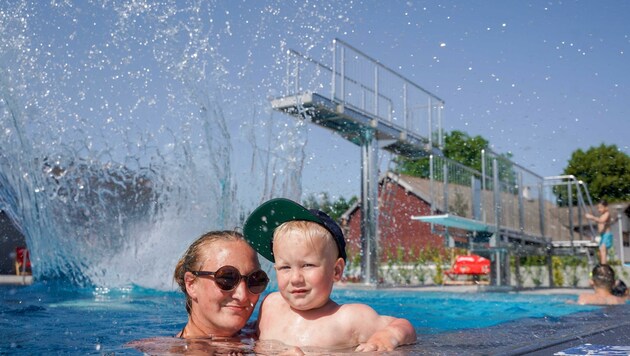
45 318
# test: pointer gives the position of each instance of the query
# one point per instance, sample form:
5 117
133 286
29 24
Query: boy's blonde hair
311 229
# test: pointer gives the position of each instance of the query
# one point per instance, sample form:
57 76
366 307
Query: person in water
602 281
620 289
221 278
603 227
308 249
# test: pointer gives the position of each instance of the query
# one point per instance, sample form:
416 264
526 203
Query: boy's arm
601 219
397 332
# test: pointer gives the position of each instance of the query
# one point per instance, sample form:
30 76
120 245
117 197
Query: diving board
455 221
351 123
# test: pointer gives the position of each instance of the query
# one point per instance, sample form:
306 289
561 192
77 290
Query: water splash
127 127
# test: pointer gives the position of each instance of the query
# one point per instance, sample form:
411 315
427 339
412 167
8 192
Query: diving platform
351 123
511 238
455 221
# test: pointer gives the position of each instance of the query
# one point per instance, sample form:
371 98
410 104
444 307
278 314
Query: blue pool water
47 318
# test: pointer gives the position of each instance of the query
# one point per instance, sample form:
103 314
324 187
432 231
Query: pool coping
468 289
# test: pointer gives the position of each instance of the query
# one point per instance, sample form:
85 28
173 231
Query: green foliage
557 270
518 276
458 146
419 266
605 170
413 167
333 209
461 148
533 266
353 268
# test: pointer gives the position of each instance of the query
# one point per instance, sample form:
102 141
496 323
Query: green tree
334 209
459 147
462 148
605 170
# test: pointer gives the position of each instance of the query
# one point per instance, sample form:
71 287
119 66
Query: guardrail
512 198
360 82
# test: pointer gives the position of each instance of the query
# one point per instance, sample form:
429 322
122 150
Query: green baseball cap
263 221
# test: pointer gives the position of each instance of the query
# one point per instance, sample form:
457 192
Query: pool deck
12 279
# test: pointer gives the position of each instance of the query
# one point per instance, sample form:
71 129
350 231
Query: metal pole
430 120
369 206
431 185
621 248
445 183
297 76
405 110
333 83
440 138
376 91
521 207
541 209
286 84
343 75
431 189
497 220
483 186
497 196
570 210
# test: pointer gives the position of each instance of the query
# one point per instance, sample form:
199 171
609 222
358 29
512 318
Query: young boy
603 227
602 281
308 249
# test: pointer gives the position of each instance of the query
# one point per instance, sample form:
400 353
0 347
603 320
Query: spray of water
127 128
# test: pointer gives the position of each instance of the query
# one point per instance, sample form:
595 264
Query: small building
400 198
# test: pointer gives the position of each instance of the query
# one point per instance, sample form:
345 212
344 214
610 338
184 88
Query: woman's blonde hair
191 258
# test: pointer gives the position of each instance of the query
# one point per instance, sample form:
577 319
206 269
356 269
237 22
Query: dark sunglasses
228 277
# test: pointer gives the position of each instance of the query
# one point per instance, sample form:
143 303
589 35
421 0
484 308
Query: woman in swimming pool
221 277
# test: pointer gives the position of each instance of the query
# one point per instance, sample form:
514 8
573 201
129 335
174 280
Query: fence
511 198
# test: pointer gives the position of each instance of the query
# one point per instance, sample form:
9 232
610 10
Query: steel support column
369 207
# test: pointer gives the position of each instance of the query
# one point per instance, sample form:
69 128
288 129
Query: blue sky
537 79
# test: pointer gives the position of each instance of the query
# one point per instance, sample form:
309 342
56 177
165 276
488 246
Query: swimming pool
51 318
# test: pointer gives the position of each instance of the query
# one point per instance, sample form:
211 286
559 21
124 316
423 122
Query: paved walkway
16 280
469 289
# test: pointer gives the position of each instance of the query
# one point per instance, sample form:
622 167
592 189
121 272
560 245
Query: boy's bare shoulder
360 312
355 307
273 299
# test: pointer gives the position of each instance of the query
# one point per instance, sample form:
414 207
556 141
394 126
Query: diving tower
505 209
371 106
